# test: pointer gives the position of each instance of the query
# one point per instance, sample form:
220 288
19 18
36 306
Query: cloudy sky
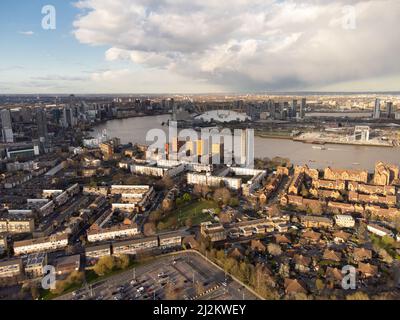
197 46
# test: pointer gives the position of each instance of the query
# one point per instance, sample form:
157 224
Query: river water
340 156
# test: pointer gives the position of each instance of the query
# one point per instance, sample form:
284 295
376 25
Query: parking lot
183 276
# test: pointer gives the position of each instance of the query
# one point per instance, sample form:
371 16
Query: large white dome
223 116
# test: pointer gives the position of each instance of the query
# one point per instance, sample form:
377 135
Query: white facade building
378 230
344 221
51 243
119 231
214 181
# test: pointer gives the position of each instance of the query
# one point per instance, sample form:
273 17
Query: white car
140 290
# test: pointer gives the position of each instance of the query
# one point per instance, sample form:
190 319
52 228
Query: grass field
191 211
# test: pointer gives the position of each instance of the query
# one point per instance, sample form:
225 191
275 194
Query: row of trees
75 278
223 196
253 275
107 264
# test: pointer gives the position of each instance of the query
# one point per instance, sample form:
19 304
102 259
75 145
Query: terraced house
346 175
43 244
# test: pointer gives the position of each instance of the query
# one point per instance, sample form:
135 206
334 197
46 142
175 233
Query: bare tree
274 249
149 229
170 292
222 195
199 287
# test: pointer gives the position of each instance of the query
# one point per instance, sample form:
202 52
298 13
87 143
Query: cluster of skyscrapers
6 124
276 110
377 112
7 130
217 148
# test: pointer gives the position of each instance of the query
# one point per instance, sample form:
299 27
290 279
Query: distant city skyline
261 46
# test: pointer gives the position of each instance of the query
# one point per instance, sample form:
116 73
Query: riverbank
321 142
351 143
268 146
272 136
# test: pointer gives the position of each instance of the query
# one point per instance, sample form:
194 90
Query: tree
34 292
397 223
199 288
155 216
104 265
149 229
385 256
168 182
70 249
274 249
362 232
132 180
197 190
201 190
387 241
304 192
222 195
167 205
300 296
189 222
173 222
220 255
179 202
170 292
274 211
205 190
82 239
319 284
234 202
161 225
60 287
123 261
357 296
74 278
187 197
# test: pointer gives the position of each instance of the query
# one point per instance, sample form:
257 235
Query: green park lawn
193 211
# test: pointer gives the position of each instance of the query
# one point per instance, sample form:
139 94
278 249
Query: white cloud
145 81
53 77
109 75
247 44
27 33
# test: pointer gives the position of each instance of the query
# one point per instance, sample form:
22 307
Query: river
340 156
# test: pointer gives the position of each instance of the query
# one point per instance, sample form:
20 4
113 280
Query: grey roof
10 262
98 247
135 241
316 218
